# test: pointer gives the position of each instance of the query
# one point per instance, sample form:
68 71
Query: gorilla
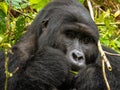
61 40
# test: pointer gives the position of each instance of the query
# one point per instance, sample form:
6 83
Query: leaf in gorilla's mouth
74 72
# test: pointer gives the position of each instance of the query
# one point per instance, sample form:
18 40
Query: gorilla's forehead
76 11
65 12
61 13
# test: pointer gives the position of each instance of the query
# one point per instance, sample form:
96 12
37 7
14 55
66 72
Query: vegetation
16 15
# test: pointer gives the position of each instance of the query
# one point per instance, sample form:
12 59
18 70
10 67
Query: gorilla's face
72 32
76 40
80 44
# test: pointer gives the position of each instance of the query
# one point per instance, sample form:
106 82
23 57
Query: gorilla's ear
44 24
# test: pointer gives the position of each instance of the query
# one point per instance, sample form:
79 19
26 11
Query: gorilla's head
67 26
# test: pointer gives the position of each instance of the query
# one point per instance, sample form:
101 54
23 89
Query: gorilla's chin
77 67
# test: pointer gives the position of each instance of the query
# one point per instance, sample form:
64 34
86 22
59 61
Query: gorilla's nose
77 55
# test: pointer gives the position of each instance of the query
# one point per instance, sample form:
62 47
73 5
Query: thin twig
23 14
6 48
103 56
104 60
103 24
104 74
112 54
6 70
90 8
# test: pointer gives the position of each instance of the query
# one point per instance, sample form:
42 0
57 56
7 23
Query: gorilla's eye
70 34
87 40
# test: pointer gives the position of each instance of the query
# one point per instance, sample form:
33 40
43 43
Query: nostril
80 58
74 56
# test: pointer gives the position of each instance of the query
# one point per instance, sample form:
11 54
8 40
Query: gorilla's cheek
90 52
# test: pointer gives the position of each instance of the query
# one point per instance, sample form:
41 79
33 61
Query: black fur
43 58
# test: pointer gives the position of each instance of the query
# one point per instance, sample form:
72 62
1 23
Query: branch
90 8
104 74
112 54
103 56
103 24
104 60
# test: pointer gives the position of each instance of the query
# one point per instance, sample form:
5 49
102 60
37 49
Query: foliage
81 1
16 15
107 18
109 32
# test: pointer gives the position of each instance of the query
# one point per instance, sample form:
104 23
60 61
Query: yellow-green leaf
3 7
34 1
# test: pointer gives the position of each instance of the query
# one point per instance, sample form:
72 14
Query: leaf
18 4
74 72
117 13
20 23
6 45
82 1
1 38
118 43
119 1
34 2
38 4
4 7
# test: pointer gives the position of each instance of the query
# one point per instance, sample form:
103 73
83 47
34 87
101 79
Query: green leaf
38 4
82 1
18 4
20 23
1 38
4 7
74 72
34 2
119 1
118 43
2 22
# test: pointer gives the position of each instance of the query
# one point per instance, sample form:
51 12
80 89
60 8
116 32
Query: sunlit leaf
1 38
18 4
118 43
119 1
107 13
82 1
3 7
34 2
117 13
